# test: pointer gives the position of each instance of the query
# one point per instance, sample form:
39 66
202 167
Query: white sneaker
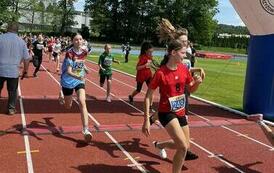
108 99
87 135
151 109
162 152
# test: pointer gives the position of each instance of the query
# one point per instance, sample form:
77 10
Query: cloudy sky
226 15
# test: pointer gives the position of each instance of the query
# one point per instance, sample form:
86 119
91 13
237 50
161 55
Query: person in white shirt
57 47
13 51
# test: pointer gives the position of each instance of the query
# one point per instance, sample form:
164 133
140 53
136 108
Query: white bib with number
177 103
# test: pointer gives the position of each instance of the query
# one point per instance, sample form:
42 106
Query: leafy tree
85 32
136 20
65 12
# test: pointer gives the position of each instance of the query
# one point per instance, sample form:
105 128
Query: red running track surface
51 139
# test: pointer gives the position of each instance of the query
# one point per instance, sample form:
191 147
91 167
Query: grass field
223 84
223 50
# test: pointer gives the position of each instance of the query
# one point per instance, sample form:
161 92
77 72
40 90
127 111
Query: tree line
55 17
137 20
125 20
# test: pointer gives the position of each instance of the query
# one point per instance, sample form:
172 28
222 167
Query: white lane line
199 146
130 86
26 138
217 156
199 116
107 133
245 136
201 99
231 130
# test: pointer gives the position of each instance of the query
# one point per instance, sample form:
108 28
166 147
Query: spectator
193 51
126 48
13 50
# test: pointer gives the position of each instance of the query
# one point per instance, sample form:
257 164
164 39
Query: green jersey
105 60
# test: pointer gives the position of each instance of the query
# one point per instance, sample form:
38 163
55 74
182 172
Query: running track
52 142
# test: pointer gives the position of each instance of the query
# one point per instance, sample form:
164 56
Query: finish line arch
258 16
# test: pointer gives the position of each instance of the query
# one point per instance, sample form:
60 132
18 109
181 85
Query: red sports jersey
145 73
50 44
172 85
72 54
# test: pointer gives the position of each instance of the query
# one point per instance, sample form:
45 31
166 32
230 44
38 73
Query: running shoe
130 99
87 135
162 152
191 156
11 111
108 99
61 98
151 109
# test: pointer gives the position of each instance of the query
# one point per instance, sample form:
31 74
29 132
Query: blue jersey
76 61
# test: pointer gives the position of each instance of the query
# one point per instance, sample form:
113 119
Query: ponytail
165 60
172 45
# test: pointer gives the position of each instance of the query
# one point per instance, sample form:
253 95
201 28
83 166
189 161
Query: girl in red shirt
144 73
171 78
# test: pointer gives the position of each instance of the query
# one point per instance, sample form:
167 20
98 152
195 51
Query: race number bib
177 103
107 62
78 68
187 63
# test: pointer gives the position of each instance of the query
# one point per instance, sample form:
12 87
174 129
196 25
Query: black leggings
39 64
140 84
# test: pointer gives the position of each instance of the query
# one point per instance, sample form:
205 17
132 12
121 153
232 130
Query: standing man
127 50
13 50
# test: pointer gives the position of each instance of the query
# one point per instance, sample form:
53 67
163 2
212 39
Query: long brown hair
145 46
172 45
166 31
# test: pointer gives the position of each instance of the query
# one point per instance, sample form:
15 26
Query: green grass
223 50
223 84
224 81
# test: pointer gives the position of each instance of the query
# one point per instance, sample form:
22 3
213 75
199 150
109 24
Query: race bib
39 46
78 72
107 62
187 63
177 103
78 68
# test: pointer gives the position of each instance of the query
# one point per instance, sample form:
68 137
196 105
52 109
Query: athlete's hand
255 117
146 128
198 79
148 64
202 74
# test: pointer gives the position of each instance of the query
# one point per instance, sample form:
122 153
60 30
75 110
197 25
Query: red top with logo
171 85
81 55
145 73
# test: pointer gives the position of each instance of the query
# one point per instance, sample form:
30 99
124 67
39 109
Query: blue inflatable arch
258 16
